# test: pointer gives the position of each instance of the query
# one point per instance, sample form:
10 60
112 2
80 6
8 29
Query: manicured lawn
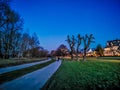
17 73
86 75
109 58
13 62
100 58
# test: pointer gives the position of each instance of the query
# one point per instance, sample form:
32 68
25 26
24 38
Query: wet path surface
8 69
34 80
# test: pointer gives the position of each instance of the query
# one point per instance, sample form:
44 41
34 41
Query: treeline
13 41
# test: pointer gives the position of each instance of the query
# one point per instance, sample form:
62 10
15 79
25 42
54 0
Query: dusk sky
53 20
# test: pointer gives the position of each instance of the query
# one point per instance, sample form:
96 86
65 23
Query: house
90 52
112 48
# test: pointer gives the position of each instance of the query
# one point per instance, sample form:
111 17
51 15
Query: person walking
58 58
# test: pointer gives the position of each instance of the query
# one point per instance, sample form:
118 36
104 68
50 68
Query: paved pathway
32 81
8 69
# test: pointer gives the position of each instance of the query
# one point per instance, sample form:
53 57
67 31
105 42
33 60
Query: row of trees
74 44
13 42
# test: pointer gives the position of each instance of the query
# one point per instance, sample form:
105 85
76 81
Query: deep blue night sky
53 20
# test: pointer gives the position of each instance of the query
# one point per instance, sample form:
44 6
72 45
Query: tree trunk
84 56
71 57
71 54
77 57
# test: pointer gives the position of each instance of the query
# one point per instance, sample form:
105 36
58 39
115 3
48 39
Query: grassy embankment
14 62
98 74
17 73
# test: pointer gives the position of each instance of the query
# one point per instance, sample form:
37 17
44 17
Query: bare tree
79 40
23 45
10 28
87 40
71 42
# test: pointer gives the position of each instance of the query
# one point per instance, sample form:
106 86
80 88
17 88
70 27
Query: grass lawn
13 62
110 58
86 75
17 73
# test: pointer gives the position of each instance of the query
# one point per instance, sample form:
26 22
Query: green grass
100 58
86 75
17 73
110 58
14 62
